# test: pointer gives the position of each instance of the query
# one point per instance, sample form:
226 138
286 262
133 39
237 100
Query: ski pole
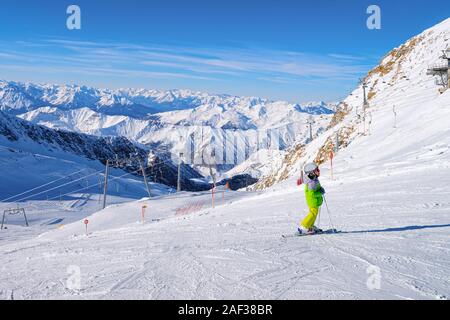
329 214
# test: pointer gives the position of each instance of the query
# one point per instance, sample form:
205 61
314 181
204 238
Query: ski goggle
316 172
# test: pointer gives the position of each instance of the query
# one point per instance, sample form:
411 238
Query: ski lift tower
442 70
365 105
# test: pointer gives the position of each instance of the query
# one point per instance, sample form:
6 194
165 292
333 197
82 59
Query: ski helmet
310 167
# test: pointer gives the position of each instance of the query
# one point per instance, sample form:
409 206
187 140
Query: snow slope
236 251
56 186
58 176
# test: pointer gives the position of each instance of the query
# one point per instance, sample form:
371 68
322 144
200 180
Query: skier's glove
322 190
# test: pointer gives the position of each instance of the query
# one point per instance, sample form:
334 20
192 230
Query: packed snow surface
395 217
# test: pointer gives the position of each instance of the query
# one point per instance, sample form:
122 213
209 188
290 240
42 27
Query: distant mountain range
149 117
174 106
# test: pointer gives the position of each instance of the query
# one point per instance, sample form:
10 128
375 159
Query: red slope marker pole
331 161
86 222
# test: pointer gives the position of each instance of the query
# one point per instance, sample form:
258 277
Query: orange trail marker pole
143 214
227 187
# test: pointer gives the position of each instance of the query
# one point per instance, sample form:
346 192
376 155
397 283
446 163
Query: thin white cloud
346 57
186 62
100 72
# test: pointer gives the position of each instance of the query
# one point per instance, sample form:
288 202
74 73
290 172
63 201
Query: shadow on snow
399 229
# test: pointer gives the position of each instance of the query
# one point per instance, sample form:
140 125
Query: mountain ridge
397 89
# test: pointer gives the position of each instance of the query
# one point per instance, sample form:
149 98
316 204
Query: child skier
314 198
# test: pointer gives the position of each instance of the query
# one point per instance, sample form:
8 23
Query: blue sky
291 50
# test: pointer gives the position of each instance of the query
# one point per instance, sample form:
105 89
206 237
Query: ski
329 231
